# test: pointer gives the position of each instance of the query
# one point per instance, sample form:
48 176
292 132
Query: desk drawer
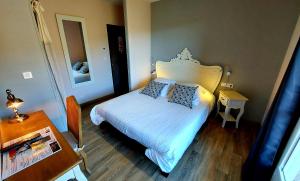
235 104
223 100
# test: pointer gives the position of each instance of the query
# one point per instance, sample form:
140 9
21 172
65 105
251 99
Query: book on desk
27 150
50 168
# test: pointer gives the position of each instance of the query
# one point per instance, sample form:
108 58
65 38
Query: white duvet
166 129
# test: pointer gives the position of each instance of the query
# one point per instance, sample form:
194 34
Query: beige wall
250 37
138 32
75 42
97 14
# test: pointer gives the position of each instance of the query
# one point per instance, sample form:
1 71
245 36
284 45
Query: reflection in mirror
73 37
76 48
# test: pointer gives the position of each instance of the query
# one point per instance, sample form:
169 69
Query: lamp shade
12 101
14 104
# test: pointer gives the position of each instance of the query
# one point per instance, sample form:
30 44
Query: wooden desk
50 168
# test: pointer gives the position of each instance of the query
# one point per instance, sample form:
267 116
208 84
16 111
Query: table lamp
13 103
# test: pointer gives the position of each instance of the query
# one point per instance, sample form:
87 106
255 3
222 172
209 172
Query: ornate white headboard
184 68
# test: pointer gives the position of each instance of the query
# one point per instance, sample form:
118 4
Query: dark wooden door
118 58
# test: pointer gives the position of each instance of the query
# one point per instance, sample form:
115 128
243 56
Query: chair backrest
74 119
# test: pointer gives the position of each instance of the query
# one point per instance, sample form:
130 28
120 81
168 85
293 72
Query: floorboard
216 153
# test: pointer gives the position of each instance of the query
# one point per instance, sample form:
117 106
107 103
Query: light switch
27 75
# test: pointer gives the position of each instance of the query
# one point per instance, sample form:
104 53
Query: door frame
294 140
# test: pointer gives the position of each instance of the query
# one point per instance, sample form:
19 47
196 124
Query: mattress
165 129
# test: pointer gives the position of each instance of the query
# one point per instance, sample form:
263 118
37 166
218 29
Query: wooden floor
215 154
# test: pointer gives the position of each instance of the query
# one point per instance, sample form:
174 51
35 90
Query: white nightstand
231 100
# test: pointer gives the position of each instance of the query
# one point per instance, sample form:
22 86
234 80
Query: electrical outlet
228 85
223 84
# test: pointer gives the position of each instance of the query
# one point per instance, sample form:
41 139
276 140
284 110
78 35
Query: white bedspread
165 128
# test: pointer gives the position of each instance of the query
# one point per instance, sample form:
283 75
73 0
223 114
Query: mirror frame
59 19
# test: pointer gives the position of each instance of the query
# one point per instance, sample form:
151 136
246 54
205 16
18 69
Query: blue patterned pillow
183 95
77 66
84 69
153 89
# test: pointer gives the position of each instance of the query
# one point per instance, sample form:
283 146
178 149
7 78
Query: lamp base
21 117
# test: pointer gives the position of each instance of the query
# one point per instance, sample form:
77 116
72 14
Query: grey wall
97 13
249 37
21 51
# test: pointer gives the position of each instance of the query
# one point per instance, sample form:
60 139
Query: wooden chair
74 135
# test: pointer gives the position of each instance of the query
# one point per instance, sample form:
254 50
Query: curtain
45 37
42 27
278 126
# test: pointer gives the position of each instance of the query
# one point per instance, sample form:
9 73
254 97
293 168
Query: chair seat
71 140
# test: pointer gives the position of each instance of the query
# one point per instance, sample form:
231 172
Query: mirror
74 42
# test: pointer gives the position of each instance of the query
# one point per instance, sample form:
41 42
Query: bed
165 129
81 77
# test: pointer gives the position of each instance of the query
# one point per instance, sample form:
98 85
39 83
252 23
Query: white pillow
170 83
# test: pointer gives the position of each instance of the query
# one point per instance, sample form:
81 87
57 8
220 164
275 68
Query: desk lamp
13 103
